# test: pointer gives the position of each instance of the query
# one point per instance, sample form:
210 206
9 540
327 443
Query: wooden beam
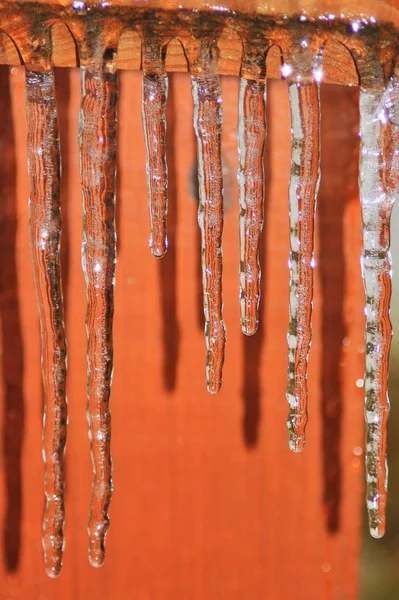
332 15
338 64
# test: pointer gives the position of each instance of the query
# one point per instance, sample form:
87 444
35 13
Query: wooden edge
386 11
338 64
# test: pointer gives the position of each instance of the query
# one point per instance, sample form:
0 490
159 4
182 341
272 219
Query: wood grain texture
209 503
380 9
338 65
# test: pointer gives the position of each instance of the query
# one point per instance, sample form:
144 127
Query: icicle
155 93
304 99
97 133
379 187
251 143
45 235
208 125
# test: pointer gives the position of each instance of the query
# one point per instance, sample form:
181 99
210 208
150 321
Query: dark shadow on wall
252 346
118 186
167 266
199 296
63 92
339 151
12 357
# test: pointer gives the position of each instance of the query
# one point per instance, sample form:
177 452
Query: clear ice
97 135
304 97
251 143
208 126
379 187
155 93
44 165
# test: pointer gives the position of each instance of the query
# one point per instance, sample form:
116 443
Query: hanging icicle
208 127
155 94
251 144
97 135
45 235
304 97
379 187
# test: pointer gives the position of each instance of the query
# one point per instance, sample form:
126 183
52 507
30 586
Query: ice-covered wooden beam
232 23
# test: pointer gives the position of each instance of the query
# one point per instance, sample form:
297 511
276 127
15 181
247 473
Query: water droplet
318 74
286 70
356 26
79 6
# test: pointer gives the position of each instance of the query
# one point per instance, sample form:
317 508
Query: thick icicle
208 125
379 187
45 235
251 143
98 170
155 93
304 183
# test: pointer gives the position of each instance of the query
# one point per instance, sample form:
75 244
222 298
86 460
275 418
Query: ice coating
304 182
379 187
251 143
155 93
208 125
45 235
97 136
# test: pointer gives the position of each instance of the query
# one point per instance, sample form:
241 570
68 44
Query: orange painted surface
209 503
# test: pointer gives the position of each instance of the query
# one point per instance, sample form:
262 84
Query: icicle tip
213 387
53 572
96 561
159 251
249 327
296 445
96 555
377 532
52 558
296 442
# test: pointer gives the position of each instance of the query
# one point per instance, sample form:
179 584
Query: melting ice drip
379 186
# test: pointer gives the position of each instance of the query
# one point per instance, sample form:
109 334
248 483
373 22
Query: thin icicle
251 143
208 125
97 134
304 183
155 93
45 236
379 187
